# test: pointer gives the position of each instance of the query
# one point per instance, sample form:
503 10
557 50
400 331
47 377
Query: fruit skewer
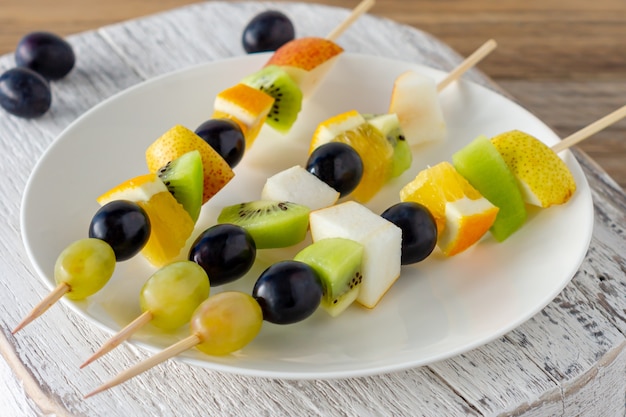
224 252
274 94
117 232
384 141
250 327
168 299
505 174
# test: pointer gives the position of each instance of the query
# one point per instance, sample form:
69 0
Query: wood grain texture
563 60
567 360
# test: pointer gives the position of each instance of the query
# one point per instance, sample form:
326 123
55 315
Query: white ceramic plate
438 308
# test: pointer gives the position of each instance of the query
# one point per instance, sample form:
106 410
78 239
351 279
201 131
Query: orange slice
247 106
374 149
178 141
170 224
462 214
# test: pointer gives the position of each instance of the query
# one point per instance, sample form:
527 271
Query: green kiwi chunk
275 81
482 166
338 263
184 178
389 126
272 224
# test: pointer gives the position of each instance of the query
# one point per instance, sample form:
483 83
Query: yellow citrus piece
462 214
247 106
139 188
170 224
330 128
374 149
178 141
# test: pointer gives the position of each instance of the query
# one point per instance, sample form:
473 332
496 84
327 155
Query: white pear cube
414 99
299 186
381 240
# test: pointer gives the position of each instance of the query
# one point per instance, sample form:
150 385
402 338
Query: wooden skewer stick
468 63
359 10
154 360
590 130
43 305
121 336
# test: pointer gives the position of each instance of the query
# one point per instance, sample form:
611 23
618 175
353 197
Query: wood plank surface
518 374
563 60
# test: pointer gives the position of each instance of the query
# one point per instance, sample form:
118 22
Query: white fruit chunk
381 240
308 81
299 186
414 99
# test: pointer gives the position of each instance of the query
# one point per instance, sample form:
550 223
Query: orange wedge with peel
178 141
170 224
246 106
462 214
374 149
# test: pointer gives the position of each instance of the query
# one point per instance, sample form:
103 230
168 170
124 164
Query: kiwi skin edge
272 224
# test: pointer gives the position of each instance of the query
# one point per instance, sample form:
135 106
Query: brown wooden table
563 60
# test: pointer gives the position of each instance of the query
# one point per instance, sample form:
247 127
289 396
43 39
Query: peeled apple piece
414 99
381 240
299 186
543 177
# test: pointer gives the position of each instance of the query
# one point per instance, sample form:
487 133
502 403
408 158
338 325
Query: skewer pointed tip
43 305
152 361
120 337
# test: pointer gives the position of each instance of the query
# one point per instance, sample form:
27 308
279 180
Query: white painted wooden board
568 360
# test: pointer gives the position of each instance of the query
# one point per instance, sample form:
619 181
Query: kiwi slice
338 264
272 224
482 166
275 82
184 178
389 126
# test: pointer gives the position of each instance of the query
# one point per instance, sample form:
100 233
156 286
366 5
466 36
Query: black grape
24 93
225 251
226 137
124 225
338 165
45 53
419 230
267 31
288 292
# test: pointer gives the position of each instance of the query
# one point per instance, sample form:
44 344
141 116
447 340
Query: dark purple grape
338 165
46 53
225 137
288 292
419 230
267 31
24 93
225 251
124 225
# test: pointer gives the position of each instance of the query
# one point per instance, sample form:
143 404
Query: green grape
173 293
226 322
85 266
